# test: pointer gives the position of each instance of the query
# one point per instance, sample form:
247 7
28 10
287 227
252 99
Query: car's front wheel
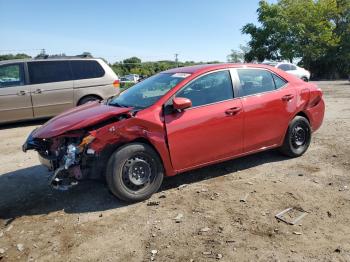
134 172
297 138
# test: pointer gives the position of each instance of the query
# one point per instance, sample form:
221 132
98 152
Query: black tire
298 137
87 99
305 79
134 172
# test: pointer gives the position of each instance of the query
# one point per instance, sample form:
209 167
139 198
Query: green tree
12 56
238 56
313 30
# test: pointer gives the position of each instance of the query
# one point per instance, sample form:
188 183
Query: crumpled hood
77 118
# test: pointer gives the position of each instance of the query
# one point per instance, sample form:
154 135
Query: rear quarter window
86 69
279 82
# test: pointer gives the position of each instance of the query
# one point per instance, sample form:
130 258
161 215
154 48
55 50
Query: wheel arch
303 114
300 113
112 148
89 95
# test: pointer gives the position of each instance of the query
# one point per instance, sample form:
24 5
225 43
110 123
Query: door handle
287 97
233 111
38 91
21 93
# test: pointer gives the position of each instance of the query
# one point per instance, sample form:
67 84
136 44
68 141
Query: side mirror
181 103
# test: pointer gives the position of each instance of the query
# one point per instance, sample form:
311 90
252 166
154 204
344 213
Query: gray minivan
40 88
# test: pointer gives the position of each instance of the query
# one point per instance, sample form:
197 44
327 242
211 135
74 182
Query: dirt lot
89 224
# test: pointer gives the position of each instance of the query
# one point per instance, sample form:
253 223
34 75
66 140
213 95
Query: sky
197 30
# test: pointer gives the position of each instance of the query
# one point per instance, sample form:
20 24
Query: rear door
51 87
15 101
268 107
211 129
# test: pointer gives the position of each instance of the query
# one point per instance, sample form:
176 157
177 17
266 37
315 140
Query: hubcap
299 136
137 172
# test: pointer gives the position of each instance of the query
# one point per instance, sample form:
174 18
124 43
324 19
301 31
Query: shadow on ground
25 192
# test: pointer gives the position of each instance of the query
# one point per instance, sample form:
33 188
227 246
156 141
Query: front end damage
66 156
76 145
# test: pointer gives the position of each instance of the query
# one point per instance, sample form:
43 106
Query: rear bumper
316 115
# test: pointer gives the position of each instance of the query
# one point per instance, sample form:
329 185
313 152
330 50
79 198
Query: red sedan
179 120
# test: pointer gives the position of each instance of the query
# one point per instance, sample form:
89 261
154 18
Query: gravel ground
89 224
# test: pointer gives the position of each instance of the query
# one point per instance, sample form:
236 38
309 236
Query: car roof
210 67
45 59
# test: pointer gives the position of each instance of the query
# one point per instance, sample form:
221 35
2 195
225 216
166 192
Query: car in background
177 121
125 80
40 88
132 78
291 69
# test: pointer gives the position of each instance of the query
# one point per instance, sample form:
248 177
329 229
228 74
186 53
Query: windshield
147 92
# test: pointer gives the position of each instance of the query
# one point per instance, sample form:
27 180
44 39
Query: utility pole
43 52
177 60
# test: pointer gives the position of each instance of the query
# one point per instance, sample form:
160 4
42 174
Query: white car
291 69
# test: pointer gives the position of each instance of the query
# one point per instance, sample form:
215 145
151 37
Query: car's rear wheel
298 137
304 78
87 99
134 172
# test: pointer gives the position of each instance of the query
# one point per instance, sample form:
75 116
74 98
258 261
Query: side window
255 81
293 67
49 71
11 75
85 69
211 88
279 82
284 67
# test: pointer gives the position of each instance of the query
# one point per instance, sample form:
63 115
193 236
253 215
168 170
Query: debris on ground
344 188
153 203
182 186
20 247
2 251
207 253
178 218
337 250
297 233
162 196
291 215
244 198
9 228
153 252
205 229
219 256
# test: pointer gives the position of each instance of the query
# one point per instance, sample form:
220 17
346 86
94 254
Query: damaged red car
176 121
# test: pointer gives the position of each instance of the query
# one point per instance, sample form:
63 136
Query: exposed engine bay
65 156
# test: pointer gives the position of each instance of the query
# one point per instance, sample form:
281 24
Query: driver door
212 129
15 97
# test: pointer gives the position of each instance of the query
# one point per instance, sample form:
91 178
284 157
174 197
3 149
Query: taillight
116 83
